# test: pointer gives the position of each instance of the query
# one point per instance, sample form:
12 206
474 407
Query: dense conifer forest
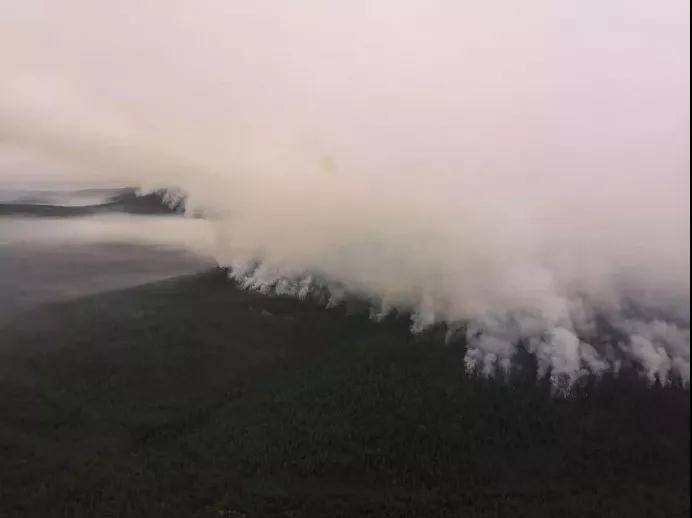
192 398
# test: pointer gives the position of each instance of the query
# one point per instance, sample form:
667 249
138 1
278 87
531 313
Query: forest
192 398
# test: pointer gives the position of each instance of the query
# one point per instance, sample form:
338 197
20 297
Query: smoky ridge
611 338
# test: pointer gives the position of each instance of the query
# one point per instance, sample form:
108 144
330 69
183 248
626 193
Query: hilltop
126 200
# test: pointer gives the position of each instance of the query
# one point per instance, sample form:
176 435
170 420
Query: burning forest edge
634 341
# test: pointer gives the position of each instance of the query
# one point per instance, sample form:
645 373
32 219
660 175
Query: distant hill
192 398
62 197
126 201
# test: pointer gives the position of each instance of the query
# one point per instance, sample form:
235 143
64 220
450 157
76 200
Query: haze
465 161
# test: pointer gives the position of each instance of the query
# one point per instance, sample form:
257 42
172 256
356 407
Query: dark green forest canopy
193 398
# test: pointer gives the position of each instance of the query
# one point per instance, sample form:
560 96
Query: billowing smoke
522 168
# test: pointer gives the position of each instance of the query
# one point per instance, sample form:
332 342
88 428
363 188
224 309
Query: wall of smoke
524 167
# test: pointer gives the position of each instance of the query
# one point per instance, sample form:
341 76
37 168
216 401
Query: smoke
520 167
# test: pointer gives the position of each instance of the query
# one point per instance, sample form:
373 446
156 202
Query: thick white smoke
524 167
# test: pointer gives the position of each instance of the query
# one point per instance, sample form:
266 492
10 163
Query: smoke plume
522 168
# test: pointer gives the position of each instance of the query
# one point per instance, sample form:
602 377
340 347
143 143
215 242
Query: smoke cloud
520 167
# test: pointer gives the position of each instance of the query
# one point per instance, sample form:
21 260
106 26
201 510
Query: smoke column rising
524 167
